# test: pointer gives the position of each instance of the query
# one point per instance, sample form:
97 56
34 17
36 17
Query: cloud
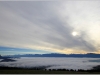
47 25
54 63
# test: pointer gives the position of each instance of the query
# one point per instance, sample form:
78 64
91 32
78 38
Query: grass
42 72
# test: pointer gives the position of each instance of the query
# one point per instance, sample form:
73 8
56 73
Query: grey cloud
37 22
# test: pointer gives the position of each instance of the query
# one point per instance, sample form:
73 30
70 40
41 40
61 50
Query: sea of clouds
53 62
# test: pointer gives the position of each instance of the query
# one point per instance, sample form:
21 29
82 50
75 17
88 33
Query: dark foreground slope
42 72
16 70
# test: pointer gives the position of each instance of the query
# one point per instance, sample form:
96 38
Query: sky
49 27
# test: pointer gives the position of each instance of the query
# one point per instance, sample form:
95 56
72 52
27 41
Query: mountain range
88 55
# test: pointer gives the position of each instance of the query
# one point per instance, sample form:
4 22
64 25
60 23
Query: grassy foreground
42 72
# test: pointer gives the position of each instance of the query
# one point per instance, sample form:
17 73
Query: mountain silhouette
89 55
6 59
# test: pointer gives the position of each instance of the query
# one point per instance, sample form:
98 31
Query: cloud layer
48 25
55 63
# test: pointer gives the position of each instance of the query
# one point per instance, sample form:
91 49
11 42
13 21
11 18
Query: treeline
43 68
22 68
72 70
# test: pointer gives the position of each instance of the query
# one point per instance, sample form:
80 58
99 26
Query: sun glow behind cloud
48 25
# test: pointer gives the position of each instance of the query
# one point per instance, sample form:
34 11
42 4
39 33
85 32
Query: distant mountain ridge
89 55
6 59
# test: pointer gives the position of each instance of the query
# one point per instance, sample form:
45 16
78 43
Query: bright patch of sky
12 51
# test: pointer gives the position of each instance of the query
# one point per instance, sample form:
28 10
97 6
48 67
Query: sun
74 33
